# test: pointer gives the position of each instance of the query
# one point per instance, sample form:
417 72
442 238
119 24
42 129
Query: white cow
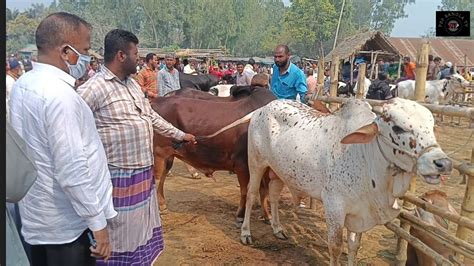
436 91
367 83
221 90
358 163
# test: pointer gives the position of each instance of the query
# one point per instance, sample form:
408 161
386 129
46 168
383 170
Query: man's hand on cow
189 137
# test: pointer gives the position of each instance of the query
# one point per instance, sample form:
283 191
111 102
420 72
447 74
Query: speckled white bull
436 91
358 163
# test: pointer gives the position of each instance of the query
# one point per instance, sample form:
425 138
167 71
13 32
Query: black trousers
76 253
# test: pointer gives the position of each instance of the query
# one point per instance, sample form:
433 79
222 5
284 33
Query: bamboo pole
334 80
402 243
361 81
465 67
352 68
440 240
399 67
371 64
442 234
338 24
420 82
461 111
416 243
467 207
321 76
462 221
421 70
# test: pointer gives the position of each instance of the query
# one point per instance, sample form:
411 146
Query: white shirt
10 81
188 69
73 190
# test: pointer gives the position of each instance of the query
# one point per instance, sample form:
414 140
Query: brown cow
415 257
201 115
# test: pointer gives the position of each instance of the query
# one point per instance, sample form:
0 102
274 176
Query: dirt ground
199 226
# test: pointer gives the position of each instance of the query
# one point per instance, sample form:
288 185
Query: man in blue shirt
287 79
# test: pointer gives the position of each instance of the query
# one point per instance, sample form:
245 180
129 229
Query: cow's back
278 135
201 82
203 117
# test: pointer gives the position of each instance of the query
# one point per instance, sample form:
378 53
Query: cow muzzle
433 165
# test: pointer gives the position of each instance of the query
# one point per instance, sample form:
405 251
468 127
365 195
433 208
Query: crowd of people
88 128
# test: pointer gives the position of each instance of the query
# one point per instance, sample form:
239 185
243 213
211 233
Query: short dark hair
56 28
251 61
382 76
406 58
437 58
240 63
149 57
117 40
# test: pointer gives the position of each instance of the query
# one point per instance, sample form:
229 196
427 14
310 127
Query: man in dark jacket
379 89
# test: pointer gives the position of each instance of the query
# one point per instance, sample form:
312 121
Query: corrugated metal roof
452 50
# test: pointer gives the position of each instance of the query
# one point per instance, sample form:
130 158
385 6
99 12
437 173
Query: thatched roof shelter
363 43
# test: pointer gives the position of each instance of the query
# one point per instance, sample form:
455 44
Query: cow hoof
281 235
246 240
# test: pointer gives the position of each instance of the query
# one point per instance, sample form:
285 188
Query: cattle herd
436 91
357 160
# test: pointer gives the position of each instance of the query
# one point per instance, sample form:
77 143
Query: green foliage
244 27
21 32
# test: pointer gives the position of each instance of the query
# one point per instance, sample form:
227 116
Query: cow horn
377 109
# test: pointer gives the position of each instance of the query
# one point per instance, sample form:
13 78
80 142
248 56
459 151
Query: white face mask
79 69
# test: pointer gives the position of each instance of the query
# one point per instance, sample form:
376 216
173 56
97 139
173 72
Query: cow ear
364 134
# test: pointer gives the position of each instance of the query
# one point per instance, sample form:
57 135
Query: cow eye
459 80
398 130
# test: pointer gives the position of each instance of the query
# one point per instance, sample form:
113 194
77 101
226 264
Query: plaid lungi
135 233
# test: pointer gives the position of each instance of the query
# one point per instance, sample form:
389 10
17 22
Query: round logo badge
453 26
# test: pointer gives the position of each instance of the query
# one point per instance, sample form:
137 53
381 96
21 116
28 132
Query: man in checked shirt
126 121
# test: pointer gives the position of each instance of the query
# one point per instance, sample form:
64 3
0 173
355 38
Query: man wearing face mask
288 80
71 198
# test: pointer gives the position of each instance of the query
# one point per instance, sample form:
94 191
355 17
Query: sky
421 16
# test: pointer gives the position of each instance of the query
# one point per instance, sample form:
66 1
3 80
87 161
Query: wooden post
420 82
321 76
375 67
399 67
371 64
402 244
334 80
421 71
361 81
312 202
352 68
467 208
466 69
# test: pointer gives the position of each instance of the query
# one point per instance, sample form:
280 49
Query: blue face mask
79 69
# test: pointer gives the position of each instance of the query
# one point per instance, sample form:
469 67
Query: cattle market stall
371 44
195 53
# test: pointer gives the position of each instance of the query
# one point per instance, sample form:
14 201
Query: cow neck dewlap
379 181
